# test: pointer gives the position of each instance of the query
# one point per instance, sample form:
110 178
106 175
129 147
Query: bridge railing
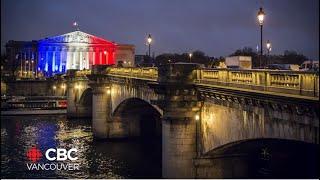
149 73
273 81
83 72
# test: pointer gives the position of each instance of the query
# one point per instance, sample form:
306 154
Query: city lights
190 56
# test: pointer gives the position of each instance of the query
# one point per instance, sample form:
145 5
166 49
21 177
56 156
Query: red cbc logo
34 154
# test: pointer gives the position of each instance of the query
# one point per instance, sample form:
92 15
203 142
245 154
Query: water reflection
97 159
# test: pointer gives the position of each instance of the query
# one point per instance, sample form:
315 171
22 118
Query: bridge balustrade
288 82
132 72
83 72
270 81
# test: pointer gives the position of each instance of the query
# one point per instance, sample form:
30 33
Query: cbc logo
59 154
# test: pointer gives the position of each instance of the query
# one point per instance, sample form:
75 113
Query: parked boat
33 105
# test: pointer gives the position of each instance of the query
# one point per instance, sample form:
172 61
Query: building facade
57 54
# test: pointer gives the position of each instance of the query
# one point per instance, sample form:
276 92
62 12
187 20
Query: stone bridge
201 115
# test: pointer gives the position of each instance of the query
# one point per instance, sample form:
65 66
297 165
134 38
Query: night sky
217 27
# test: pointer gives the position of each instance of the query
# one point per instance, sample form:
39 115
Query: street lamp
32 62
149 43
54 89
268 46
63 87
77 87
268 50
37 72
25 67
108 89
260 17
190 56
197 118
29 69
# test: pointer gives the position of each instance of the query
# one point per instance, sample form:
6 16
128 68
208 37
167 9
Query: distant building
239 62
125 54
57 54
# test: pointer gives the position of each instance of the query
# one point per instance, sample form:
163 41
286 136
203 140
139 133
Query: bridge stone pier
179 102
213 123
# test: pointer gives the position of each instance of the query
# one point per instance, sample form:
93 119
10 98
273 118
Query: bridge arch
139 118
120 107
84 104
86 97
122 92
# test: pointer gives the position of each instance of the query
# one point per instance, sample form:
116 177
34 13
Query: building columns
61 57
100 57
87 60
74 62
53 61
46 60
94 57
81 62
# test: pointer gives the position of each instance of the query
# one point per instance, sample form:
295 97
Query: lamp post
21 72
32 64
77 88
149 44
29 69
54 87
197 118
63 86
25 67
268 46
190 56
268 49
260 17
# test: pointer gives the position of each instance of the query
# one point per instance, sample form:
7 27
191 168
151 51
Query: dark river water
136 158
97 159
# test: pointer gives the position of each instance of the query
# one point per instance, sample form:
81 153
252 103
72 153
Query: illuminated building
57 54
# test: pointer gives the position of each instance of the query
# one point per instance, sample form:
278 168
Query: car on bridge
293 67
309 66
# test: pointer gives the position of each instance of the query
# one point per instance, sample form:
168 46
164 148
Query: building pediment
76 37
